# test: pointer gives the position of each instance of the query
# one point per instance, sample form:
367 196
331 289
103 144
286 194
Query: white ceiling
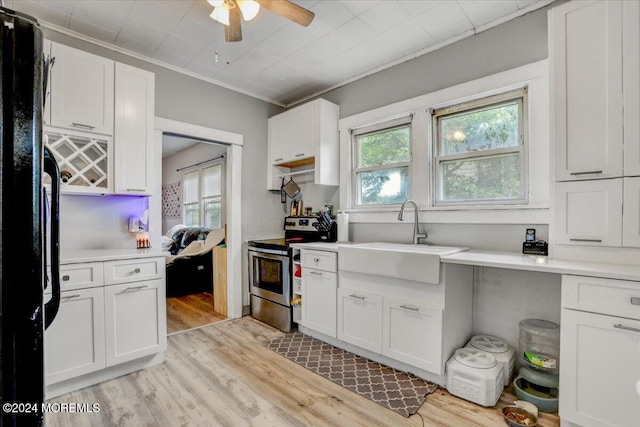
278 60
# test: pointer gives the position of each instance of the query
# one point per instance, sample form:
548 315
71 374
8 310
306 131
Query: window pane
490 128
191 192
211 181
191 214
385 186
486 178
384 148
212 212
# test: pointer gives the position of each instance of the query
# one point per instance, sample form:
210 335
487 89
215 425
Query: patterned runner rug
399 391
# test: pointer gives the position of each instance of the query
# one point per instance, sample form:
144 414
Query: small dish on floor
518 417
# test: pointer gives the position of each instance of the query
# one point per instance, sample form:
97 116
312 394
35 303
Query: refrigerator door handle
51 168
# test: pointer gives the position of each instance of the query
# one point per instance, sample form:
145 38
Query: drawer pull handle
635 300
585 173
83 126
135 189
357 296
406 307
278 160
134 288
71 296
137 270
65 278
201 267
316 260
299 154
315 273
626 328
587 240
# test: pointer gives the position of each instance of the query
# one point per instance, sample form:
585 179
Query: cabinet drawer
133 270
319 260
606 296
80 276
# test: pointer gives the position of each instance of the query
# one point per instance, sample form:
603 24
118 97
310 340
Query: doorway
193 204
231 145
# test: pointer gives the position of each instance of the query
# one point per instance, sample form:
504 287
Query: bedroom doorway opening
200 218
193 231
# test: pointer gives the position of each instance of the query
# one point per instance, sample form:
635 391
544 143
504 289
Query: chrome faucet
417 235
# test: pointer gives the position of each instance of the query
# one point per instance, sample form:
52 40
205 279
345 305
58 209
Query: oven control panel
300 223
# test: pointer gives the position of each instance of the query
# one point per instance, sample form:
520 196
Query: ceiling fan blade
289 10
233 31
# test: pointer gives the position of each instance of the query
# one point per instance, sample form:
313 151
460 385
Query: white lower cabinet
360 319
134 320
600 385
412 333
319 289
74 343
100 327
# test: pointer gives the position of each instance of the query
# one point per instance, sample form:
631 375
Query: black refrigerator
25 209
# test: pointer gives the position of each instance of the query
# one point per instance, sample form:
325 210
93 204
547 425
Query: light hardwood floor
191 311
222 375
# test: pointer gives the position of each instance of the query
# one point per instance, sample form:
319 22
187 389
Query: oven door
269 276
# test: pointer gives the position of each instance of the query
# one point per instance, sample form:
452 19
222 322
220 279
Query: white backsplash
98 222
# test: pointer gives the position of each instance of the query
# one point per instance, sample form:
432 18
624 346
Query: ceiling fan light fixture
215 3
221 14
249 8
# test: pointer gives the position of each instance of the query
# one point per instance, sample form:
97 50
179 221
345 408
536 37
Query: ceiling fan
229 13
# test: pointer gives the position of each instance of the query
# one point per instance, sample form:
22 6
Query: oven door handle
279 257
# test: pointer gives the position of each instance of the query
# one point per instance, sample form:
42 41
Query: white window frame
535 76
391 124
519 95
201 198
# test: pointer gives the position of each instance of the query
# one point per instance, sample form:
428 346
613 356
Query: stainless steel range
270 269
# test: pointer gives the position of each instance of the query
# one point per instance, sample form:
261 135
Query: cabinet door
603 354
360 319
134 117
589 212
135 320
412 333
319 301
278 139
74 343
81 90
303 132
631 86
586 56
631 214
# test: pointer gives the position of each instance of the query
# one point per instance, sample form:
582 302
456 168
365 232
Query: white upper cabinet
589 212
631 215
81 91
303 136
631 88
134 116
586 67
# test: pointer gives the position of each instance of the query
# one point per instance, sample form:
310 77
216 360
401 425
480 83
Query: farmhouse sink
419 263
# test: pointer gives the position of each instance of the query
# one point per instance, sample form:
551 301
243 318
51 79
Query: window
479 151
203 197
212 196
381 163
191 185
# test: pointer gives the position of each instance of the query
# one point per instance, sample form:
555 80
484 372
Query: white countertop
95 255
321 246
516 261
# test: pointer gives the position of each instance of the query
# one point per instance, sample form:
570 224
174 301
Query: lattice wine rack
83 161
